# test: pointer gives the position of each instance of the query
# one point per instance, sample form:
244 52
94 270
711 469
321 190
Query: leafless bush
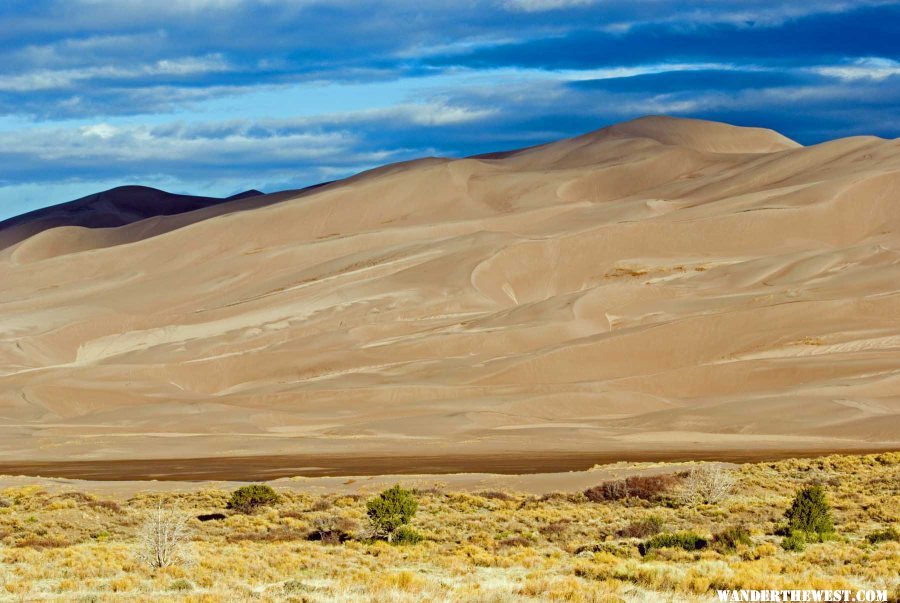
708 484
332 529
164 539
646 487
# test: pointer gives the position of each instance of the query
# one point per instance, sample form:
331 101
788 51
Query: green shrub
248 499
731 538
809 513
181 584
796 542
884 536
407 535
389 510
641 529
681 540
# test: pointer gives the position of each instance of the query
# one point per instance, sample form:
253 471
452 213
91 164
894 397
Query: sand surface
531 483
656 287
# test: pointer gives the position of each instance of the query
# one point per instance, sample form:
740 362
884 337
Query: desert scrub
729 539
164 538
687 541
645 487
570 550
642 528
890 534
248 499
707 484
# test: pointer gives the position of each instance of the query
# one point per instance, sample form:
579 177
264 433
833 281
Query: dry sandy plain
660 289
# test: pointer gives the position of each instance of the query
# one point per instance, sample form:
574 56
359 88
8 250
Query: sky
213 97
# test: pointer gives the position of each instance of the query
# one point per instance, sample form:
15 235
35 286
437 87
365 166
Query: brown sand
265 468
659 286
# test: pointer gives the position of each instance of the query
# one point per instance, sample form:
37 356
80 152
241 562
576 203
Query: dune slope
659 285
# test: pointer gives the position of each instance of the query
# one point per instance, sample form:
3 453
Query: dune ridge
658 285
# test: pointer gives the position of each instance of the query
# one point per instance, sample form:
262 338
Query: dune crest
662 284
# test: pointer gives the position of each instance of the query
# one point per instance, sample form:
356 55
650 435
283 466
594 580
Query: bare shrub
709 484
645 487
650 487
333 529
494 495
164 539
613 490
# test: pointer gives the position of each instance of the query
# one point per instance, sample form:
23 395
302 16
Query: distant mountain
115 207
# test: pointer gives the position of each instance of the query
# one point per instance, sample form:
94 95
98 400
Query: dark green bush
390 510
248 499
795 541
407 535
809 513
731 538
681 540
884 536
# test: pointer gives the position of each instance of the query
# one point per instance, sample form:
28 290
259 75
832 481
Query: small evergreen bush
390 510
407 535
248 499
809 513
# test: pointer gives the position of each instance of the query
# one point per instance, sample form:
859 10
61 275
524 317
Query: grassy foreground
489 546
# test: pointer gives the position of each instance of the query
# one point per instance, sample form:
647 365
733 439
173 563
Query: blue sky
217 96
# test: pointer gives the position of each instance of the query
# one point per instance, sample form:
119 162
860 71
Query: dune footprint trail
660 285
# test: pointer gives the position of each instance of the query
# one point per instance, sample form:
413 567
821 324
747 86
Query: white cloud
534 6
46 79
868 68
318 141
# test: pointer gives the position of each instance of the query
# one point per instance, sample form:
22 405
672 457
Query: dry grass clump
470 547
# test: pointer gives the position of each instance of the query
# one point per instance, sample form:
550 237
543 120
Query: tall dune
660 285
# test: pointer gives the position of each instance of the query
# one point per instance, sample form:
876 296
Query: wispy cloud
532 6
44 79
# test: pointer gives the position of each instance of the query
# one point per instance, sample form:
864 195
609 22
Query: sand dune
660 285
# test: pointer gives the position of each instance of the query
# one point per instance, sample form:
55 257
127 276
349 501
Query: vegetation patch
249 499
687 541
